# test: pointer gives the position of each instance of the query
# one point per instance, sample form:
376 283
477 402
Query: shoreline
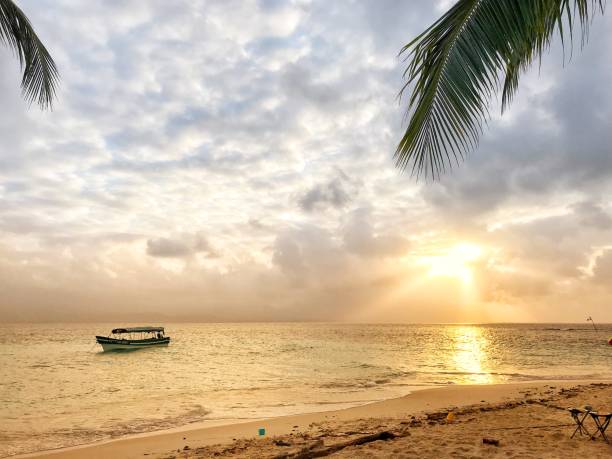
417 402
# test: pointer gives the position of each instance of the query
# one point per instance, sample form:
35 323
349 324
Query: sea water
58 389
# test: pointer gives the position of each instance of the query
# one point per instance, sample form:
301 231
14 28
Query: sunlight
470 354
455 263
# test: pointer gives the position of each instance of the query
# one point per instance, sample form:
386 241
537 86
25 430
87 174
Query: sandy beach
527 419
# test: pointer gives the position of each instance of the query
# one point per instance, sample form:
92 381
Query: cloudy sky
232 160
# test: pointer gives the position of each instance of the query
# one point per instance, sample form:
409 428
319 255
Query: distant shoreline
254 322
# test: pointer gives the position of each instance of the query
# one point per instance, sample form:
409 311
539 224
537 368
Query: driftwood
318 450
490 441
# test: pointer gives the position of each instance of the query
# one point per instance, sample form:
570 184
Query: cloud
330 194
602 272
308 254
361 238
337 192
592 215
513 287
236 157
185 246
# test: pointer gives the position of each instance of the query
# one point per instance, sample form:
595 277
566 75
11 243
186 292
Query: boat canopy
138 330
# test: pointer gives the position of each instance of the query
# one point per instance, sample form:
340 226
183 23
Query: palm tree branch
455 68
40 75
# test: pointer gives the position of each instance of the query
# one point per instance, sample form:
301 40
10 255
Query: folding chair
579 416
602 421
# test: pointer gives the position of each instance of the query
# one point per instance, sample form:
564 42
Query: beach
58 390
526 419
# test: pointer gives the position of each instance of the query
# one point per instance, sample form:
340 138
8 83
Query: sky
233 161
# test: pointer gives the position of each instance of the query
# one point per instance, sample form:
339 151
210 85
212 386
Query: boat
127 339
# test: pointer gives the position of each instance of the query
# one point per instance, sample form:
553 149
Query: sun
455 263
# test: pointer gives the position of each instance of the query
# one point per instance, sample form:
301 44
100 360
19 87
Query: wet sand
527 419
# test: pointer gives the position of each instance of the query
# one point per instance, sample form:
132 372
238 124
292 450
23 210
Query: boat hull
111 344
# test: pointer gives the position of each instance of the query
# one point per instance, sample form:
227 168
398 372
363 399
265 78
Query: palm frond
40 75
456 66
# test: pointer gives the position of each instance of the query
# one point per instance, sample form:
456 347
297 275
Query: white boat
128 339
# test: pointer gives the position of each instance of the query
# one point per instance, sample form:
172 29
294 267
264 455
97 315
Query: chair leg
581 429
601 427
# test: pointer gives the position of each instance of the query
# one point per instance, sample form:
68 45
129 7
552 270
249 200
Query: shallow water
57 388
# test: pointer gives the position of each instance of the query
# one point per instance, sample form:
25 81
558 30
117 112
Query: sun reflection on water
470 354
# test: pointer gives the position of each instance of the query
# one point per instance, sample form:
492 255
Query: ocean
58 389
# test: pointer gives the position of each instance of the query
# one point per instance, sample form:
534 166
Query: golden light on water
455 263
471 353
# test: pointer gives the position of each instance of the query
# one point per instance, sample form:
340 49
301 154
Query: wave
520 376
293 347
74 436
446 377
362 384
385 378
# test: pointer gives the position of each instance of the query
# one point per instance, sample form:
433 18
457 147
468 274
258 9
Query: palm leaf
456 67
40 76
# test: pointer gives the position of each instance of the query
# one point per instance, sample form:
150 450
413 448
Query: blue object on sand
262 431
